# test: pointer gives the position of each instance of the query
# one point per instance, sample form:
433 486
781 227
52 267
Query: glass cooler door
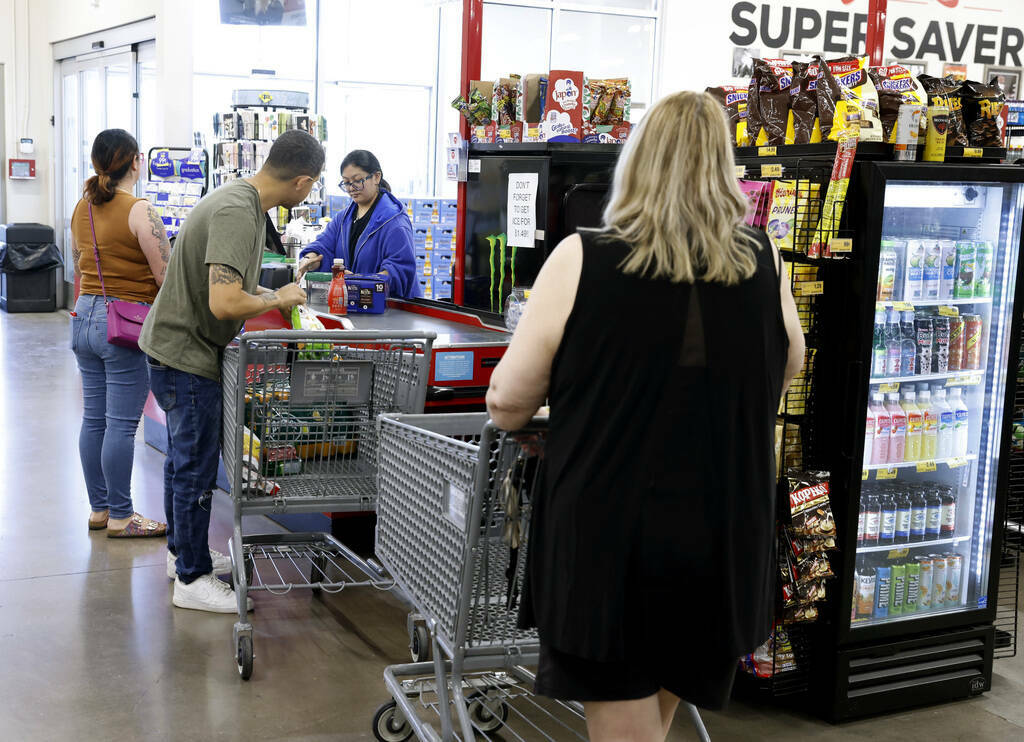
939 356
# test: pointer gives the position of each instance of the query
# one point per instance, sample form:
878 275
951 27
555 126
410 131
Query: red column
472 33
876 30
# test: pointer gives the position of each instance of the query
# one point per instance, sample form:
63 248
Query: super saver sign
954 38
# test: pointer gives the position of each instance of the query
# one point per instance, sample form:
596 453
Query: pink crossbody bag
124 319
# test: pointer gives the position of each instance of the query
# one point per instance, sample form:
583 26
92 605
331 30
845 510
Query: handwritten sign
522 209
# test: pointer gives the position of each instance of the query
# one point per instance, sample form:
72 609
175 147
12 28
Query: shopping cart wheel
419 644
387 727
487 712
244 656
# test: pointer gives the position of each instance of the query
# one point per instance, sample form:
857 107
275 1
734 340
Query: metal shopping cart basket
454 502
299 435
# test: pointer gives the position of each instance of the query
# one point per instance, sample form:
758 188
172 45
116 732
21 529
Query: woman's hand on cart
308 263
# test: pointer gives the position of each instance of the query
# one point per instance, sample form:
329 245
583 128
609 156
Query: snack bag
730 99
948 92
983 105
754 121
801 614
895 86
804 103
809 504
847 100
782 215
776 80
505 100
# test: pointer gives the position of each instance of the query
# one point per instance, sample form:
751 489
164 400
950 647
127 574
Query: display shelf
937 302
911 545
971 374
859 623
954 462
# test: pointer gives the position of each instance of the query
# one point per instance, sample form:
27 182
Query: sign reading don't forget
522 209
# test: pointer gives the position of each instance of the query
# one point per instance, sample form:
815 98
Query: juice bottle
908 344
883 427
960 414
947 422
915 425
930 429
893 344
869 436
897 429
337 294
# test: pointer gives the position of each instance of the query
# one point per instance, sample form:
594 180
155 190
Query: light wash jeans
115 383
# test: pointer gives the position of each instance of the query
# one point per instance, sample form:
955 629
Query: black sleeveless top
653 532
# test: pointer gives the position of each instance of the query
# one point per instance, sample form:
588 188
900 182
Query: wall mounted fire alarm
21 169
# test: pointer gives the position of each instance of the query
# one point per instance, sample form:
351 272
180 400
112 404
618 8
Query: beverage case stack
433 230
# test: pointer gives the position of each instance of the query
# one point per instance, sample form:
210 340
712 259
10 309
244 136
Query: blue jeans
114 389
193 405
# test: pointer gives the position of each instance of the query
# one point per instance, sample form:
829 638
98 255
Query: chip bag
810 509
983 104
948 92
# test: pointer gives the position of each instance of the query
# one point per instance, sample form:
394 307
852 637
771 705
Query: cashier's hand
308 263
290 295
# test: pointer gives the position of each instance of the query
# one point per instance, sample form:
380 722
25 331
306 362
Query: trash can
29 260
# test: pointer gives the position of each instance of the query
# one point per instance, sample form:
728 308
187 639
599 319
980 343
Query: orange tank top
126 271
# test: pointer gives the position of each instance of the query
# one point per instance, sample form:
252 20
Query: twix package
810 509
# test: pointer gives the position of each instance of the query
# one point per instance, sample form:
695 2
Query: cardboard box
485 87
530 104
442 287
422 237
444 238
448 213
563 112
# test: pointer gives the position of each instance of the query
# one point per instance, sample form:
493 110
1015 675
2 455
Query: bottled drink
872 520
956 343
897 429
908 344
925 336
888 260
947 513
903 515
915 427
337 294
865 589
878 349
893 345
913 283
869 435
983 264
940 345
913 587
887 529
960 414
965 268
938 581
883 591
883 428
924 598
899 589
860 521
973 327
930 429
918 517
932 270
954 575
947 424
947 261
933 517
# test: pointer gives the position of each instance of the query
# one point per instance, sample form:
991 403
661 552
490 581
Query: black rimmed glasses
354 185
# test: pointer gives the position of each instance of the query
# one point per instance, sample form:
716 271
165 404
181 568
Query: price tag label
889 388
926 466
972 380
809 288
974 152
840 245
949 311
882 474
957 462
741 171
767 152
773 170
864 475
898 553
902 306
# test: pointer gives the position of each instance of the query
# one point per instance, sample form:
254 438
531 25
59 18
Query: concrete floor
91 648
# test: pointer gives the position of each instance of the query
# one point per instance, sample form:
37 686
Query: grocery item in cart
983 105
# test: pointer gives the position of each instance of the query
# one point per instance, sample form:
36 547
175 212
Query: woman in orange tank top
127 261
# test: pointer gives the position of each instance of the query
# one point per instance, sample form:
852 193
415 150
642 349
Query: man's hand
308 263
290 295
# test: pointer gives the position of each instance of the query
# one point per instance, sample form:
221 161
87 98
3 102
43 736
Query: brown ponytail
113 153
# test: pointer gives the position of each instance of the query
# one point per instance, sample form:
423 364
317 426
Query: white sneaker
221 564
207 593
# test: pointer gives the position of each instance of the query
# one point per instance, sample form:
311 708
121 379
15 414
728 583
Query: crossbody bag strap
96 253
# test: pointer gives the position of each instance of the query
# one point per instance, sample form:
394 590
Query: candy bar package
847 100
504 102
983 105
775 77
732 100
803 593
801 614
948 92
895 87
754 124
607 102
810 509
759 194
774 657
804 103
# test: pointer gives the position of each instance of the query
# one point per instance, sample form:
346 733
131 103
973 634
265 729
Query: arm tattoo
268 298
224 274
156 225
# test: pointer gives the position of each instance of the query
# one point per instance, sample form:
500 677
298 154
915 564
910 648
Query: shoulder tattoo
224 274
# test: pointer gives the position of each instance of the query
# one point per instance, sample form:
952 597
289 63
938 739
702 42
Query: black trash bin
29 260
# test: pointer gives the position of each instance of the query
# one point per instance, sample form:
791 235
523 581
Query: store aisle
90 647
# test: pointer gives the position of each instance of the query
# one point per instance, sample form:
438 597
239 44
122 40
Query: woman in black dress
664 342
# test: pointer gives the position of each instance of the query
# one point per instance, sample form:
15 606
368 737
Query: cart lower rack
299 435
454 502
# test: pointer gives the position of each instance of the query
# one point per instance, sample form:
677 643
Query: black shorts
705 683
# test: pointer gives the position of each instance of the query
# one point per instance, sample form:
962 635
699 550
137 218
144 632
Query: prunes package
949 93
983 105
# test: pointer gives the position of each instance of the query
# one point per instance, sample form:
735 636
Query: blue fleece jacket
385 245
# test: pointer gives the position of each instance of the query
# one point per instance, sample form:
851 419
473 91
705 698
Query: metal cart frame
299 435
454 501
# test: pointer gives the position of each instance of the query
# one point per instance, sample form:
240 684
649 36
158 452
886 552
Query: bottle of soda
872 520
887 530
918 516
947 516
893 345
879 353
903 514
933 523
865 589
908 344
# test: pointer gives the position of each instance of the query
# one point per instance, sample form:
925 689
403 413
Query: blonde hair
675 199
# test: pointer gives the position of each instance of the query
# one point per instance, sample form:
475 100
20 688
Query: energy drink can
913 592
940 345
908 130
972 342
983 258
925 337
924 597
938 581
899 589
956 343
954 574
935 138
963 287
883 591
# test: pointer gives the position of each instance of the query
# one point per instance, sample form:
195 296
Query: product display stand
176 183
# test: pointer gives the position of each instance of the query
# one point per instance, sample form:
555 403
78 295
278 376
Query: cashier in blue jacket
373 236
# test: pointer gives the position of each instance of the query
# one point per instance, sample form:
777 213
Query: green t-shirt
226 227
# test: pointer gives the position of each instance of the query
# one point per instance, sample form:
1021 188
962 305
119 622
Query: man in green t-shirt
211 288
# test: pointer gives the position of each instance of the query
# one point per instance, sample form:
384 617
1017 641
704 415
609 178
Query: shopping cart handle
440 393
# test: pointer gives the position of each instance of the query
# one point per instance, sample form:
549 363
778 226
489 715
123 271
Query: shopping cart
453 509
299 435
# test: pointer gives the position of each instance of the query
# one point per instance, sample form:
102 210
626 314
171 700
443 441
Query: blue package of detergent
367 294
